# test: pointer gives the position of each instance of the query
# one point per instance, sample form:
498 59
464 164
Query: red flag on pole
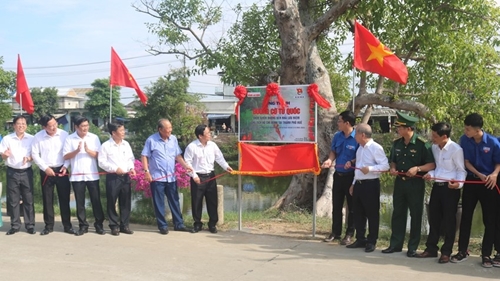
120 76
371 55
23 95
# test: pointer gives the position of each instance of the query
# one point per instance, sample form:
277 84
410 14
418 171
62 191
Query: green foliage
167 98
45 101
98 103
33 129
7 87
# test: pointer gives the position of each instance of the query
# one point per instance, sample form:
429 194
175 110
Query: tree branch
329 17
383 100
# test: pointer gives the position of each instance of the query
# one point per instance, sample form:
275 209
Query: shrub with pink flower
141 184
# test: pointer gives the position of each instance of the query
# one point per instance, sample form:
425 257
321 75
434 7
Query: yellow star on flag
378 53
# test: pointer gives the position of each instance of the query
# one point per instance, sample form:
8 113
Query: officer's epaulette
422 139
398 138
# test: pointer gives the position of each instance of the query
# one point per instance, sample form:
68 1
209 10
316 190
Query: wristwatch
146 171
418 169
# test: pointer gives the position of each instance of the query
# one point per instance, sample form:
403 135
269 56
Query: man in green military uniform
411 157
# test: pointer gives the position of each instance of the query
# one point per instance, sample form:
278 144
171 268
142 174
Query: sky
67 43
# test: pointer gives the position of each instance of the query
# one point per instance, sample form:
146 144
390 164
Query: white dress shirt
370 155
449 163
19 148
202 158
83 167
47 151
113 156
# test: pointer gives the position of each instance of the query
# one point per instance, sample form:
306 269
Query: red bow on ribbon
272 89
312 90
241 93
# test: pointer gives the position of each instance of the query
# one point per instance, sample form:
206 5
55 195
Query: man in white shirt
201 155
47 152
16 152
81 149
448 177
371 161
116 158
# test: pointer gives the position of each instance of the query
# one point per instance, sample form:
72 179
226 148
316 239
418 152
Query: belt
205 175
408 178
20 170
441 183
366 180
348 174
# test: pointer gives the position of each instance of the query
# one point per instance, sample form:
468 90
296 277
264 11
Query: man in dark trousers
201 155
47 152
343 152
482 161
371 161
410 156
449 176
116 157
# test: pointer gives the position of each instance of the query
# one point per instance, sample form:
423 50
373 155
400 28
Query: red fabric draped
272 89
312 90
283 160
241 93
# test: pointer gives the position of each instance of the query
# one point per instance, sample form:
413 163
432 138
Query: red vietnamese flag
120 76
23 95
371 55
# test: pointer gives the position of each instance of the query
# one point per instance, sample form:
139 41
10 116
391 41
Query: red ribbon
312 90
241 93
272 89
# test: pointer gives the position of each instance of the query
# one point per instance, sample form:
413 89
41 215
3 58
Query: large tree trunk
301 64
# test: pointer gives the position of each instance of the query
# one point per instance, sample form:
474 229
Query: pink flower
141 184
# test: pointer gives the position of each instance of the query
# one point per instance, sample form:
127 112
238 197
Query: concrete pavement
233 255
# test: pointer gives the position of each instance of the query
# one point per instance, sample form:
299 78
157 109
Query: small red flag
23 95
120 76
371 55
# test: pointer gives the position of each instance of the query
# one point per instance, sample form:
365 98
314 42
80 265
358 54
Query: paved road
233 255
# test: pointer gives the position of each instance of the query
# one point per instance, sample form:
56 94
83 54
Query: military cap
405 120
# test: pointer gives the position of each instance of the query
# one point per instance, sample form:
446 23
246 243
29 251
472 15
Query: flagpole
353 93
110 101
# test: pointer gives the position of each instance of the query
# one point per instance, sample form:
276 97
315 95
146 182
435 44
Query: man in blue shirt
160 152
482 161
343 150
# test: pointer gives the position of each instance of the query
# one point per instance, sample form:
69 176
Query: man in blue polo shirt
160 152
343 150
482 161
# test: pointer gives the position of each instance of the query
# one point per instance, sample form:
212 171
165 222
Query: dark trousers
471 194
366 201
497 221
341 184
442 209
63 188
20 185
408 195
160 189
118 188
208 190
95 199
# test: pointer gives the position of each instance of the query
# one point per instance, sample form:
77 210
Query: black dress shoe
12 231
212 229
346 240
100 230
45 231
182 228
357 244
115 232
196 229
391 250
126 230
81 231
411 253
331 237
31 231
369 247
164 231
69 230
